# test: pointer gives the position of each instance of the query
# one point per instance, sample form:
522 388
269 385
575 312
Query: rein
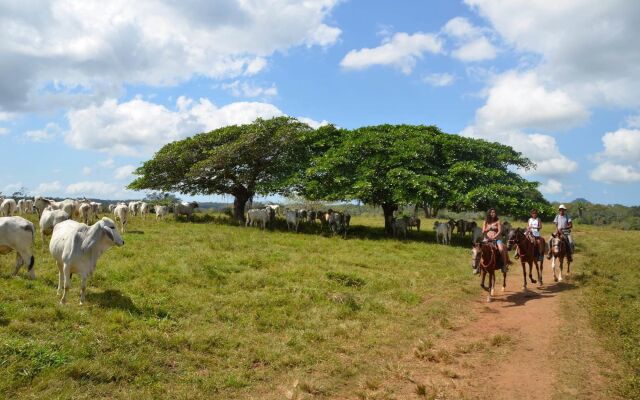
492 261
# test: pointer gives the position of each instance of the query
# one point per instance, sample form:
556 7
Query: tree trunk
239 202
388 210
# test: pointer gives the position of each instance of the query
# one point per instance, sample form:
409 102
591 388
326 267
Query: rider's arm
484 227
569 223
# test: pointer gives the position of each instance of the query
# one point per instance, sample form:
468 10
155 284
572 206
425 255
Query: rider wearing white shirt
534 226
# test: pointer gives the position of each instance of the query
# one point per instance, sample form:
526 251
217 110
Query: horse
526 253
484 257
558 247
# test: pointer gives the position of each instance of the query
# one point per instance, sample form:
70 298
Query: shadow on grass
113 299
136 232
311 228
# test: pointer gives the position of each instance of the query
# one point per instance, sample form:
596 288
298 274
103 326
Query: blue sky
88 91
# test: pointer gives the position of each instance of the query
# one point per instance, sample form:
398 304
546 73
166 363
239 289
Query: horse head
513 237
476 253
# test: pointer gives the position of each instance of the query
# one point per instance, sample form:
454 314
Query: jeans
570 248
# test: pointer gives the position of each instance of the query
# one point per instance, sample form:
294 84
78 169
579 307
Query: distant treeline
615 215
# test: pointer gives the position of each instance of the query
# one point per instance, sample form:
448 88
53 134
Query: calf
443 232
49 219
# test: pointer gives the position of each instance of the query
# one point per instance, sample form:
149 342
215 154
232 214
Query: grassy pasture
210 310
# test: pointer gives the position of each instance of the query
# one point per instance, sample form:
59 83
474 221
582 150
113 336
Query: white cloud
50 132
124 172
520 100
92 188
139 127
609 172
63 51
3 131
401 51
439 79
86 170
245 89
47 188
461 28
12 187
623 144
589 49
312 122
552 187
479 49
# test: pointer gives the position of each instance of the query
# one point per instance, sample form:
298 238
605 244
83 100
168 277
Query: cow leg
83 288
19 262
66 269
60 278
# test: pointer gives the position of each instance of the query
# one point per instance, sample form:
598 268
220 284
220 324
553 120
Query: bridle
479 259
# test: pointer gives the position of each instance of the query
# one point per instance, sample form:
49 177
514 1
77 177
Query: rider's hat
562 207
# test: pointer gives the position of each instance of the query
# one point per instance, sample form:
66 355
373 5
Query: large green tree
264 157
392 165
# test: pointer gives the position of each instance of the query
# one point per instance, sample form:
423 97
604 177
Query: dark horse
526 253
484 257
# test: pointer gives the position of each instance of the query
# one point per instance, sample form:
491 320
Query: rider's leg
569 240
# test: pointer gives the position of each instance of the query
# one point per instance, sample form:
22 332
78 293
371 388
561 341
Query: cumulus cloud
92 188
124 172
312 122
3 131
521 100
587 48
479 49
64 51
401 51
471 41
139 127
552 186
246 89
610 172
623 144
620 160
48 188
439 79
47 134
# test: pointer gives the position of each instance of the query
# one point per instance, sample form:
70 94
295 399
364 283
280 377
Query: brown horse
558 247
484 257
526 253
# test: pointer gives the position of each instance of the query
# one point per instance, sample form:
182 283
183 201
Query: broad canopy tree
264 157
393 165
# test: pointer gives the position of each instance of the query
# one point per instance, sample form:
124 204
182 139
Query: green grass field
210 310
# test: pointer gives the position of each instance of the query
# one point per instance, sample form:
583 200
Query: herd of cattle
76 246
335 221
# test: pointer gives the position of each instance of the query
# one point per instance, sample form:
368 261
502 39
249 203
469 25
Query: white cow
144 209
112 207
184 208
40 203
86 212
259 215
76 248
443 232
69 206
49 219
22 206
8 207
161 212
293 219
399 226
16 233
121 213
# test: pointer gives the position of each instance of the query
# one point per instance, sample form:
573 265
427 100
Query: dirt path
515 347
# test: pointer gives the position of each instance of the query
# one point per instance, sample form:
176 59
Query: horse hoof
560 279
503 288
489 299
555 279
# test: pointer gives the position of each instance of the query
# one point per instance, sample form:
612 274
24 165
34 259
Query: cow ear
109 233
92 237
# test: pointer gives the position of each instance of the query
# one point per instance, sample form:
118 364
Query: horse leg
524 275
531 271
568 267
504 280
483 275
560 268
492 281
553 268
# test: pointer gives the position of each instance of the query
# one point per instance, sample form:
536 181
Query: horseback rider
534 226
492 229
564 224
